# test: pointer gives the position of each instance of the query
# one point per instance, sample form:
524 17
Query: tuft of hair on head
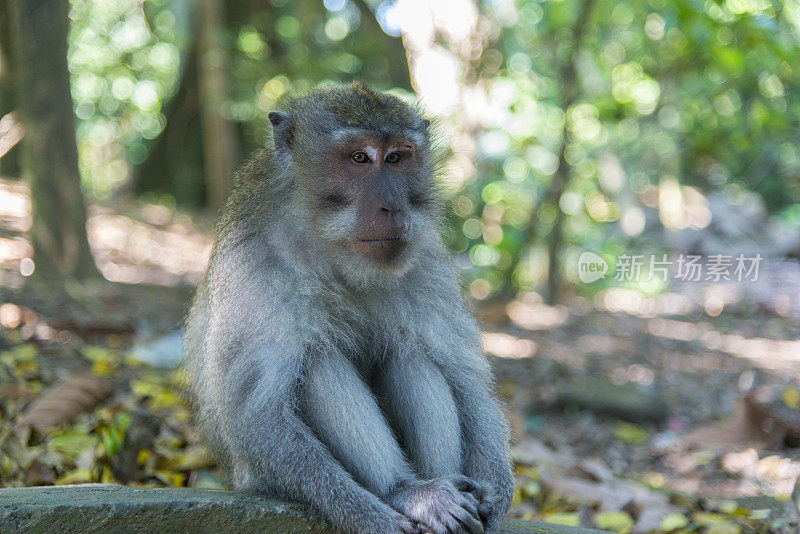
357 105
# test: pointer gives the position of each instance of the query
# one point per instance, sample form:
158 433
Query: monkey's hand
481 492
493 503
398 524
439 505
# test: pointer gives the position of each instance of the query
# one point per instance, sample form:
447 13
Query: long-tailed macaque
331 358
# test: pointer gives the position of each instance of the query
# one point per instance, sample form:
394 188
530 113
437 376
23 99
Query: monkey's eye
392 157
360 157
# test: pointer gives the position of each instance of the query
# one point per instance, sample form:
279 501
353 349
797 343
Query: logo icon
591 267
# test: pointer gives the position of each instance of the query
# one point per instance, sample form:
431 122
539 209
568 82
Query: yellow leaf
141 457
507 388
791 397
194 457
527 471
71 442
180 379
170 477
673 522
724 527
180 413
620 522
759 514
727 506
93 353
569 520
25 367
103 368
629 433
160 396
705 519
74 476
107 477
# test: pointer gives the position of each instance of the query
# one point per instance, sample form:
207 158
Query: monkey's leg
285 456
485 445
418 401
342 411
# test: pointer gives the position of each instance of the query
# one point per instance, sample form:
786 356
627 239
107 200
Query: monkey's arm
484 429
486 457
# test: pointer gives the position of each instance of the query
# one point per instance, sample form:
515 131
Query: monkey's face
374 197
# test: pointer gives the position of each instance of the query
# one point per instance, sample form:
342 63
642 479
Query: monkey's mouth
380 239
385 248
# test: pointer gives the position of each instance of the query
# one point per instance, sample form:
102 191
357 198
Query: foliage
690 96
124 67
106 443
128 59
599 125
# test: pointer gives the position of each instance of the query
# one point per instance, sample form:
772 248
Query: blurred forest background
644 127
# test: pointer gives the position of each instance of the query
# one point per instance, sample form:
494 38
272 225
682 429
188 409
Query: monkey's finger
439 527
468 485
484 494
420 528
485 511
469 523
464 483
471 503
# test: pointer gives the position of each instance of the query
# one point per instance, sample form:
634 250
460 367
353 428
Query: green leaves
698 92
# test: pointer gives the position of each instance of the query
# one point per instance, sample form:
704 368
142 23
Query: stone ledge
120 509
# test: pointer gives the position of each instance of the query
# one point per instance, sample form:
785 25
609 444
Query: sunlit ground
703 366
151 244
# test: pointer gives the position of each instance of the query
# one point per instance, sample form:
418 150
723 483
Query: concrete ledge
120 509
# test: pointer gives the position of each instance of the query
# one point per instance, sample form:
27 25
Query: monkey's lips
380 248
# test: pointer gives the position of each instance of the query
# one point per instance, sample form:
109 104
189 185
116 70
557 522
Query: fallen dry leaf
66 399
754 424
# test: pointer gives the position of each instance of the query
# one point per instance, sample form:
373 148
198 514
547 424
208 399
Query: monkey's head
362 169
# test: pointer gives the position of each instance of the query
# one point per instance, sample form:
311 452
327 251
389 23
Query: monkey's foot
438 505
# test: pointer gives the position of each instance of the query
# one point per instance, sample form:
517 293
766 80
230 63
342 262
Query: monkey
330 356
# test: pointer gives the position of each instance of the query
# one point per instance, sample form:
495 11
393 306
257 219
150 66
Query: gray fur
353 386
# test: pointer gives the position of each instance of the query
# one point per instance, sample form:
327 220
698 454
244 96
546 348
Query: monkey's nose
397 217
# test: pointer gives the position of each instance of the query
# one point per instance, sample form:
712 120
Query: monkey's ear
282 132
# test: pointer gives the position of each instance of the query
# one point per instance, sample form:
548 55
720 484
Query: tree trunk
175 158
220 150
49 151
10 131
558 185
